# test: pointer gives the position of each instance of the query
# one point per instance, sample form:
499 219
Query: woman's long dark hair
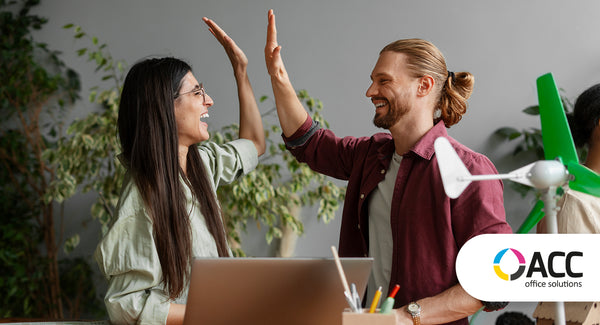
148 134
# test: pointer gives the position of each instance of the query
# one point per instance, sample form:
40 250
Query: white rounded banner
531 267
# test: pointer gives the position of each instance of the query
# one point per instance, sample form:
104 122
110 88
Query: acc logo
499 271
530 267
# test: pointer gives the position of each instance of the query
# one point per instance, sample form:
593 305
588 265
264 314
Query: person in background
580 212
168 211
395 208
513 318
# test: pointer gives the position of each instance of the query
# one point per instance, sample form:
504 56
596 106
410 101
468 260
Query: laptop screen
271 290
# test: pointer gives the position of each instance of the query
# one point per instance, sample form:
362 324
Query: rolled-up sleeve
229 161
128 259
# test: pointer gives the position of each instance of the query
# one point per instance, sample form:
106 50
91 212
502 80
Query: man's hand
273 59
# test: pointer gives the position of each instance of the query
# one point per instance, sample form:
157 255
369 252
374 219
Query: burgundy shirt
428 228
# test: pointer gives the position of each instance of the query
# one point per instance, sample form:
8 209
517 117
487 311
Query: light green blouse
127 254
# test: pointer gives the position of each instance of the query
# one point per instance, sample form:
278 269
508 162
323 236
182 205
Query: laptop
290 291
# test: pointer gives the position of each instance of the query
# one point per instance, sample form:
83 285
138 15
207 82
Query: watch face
413 307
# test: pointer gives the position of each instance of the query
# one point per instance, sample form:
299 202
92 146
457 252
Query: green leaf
87 139
521 189
71 244
92 97
532 110
508 133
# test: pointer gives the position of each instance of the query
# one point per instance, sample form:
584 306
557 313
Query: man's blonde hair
453 89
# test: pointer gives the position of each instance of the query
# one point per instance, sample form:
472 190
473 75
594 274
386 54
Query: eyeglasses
196 91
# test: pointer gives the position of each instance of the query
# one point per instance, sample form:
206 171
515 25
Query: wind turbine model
560 167
558 144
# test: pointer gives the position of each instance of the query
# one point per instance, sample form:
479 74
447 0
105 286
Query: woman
168 212
579 212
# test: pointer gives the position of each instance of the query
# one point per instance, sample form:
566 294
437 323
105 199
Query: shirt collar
424 147
385 152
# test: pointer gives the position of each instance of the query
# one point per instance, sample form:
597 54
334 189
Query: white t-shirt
381 245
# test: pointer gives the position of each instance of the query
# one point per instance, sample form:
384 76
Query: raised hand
251 127
290 111
238 59
275 65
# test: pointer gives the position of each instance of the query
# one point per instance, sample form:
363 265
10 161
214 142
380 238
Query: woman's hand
238 59
273 59
251 127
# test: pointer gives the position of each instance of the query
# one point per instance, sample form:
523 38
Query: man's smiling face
392 89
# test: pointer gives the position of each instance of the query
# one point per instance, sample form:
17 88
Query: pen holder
364 318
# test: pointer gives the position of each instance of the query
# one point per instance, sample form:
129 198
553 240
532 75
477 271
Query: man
395 209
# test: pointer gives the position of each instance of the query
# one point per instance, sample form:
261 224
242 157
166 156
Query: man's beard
389 119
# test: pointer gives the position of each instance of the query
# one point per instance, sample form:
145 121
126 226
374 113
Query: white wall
330 48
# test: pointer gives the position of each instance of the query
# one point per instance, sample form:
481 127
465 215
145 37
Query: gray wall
330 48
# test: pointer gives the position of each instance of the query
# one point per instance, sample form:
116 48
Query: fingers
217 31
236 55
212 25
272 49
271 31
220 34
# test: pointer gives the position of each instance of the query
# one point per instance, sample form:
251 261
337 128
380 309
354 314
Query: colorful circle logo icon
499 271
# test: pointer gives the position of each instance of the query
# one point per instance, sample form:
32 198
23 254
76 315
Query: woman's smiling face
191 105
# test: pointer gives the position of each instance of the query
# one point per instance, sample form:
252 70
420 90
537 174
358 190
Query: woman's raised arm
251 126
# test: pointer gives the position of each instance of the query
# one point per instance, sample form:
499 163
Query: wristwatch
415 311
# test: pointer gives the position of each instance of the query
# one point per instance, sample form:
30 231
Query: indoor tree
36 91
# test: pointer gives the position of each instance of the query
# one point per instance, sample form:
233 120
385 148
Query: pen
375 301
355 296
347 292
388 304
340 270
351 302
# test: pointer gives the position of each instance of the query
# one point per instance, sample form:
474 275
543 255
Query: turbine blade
521 175
452 169
533 218
585 180
556 134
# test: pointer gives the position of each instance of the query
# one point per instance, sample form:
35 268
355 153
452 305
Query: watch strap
416 319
